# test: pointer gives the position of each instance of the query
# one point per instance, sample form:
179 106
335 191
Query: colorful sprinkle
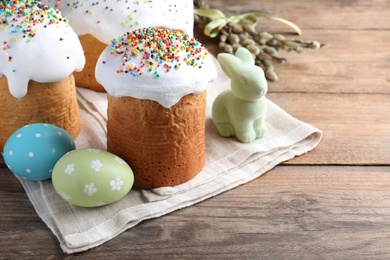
22 16
161 50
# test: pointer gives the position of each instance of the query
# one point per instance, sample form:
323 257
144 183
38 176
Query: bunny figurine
241 111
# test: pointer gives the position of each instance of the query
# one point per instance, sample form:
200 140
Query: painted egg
32 151
92 177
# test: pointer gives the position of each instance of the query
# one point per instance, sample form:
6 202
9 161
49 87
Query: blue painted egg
32 151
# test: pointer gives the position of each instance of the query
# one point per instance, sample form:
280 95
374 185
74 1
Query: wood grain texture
336 15
356 56
348 63
331 203
301 212
355 126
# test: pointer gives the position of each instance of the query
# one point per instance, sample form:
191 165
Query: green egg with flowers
92 177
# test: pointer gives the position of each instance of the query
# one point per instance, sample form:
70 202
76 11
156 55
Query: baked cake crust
53 103
163 146
92 50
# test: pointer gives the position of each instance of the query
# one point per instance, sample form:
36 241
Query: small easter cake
39 54
98 22
156 80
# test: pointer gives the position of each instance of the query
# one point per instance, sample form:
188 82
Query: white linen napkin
229 163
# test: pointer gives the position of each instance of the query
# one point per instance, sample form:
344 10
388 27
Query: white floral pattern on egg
92 177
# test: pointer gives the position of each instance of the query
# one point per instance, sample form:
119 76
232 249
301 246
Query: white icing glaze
37 45
136 75
108 19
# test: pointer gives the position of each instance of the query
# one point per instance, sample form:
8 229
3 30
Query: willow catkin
264 46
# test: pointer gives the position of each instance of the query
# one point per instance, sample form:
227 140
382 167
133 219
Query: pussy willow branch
264 46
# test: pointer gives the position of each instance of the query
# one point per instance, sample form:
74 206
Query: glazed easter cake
40 51
98 22
156 80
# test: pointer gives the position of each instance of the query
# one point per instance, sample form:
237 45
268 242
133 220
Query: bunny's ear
245 56
229 64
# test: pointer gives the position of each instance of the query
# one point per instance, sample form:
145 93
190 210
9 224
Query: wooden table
332 203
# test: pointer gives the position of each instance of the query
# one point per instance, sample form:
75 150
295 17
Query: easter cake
39 54
156 80
98 22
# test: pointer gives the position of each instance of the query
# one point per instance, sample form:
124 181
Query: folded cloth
229 163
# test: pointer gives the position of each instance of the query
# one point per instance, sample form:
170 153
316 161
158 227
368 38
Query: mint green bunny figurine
241 111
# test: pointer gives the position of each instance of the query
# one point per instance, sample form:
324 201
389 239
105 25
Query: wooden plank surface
356 56
364 68
300 212
332 203
336 15
356 127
